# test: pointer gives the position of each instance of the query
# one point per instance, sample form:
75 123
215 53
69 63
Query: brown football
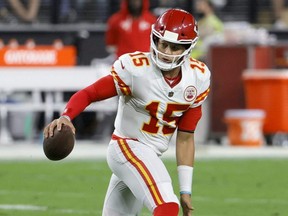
60 145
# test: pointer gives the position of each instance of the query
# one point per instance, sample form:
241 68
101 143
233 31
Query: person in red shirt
129 29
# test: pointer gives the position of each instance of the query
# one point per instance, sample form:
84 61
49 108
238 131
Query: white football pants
139 178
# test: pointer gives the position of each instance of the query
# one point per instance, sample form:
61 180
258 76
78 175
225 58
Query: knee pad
167 209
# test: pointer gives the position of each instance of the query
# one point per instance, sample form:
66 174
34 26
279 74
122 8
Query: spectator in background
209 25
129 29
280 9
16 11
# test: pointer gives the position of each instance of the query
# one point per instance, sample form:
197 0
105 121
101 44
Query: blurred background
51 48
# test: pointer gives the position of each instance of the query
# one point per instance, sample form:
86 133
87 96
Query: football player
160 93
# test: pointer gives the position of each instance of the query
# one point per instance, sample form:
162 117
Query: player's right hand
49 129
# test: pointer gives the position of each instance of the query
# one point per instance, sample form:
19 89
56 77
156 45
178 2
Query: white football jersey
149 109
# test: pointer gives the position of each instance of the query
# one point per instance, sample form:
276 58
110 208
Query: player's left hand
185 200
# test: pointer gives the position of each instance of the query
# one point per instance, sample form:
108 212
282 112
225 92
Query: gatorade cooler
268 90
245 127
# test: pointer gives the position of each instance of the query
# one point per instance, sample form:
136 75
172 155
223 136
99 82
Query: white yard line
25 207
22 207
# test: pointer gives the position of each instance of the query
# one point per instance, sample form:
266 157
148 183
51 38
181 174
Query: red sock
167 209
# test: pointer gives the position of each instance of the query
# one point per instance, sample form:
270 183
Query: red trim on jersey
190 118
115 137
143 171
100 90
173 81
125 89
202 96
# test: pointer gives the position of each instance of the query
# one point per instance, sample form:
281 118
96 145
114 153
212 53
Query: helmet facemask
177 60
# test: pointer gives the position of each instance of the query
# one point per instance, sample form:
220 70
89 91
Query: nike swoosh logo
122 66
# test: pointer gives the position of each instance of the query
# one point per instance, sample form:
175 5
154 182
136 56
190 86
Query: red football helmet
175 26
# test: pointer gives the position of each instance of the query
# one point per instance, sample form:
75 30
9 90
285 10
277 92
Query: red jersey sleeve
102 89
190 118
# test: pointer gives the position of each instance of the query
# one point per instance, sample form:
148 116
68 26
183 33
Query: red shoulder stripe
125 89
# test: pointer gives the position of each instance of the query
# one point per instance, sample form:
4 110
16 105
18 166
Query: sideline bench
51 82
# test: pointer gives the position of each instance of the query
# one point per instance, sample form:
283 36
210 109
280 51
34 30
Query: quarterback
160 93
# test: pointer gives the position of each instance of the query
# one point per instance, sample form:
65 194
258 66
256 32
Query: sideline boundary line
91 150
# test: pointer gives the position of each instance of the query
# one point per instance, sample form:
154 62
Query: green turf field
226 187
